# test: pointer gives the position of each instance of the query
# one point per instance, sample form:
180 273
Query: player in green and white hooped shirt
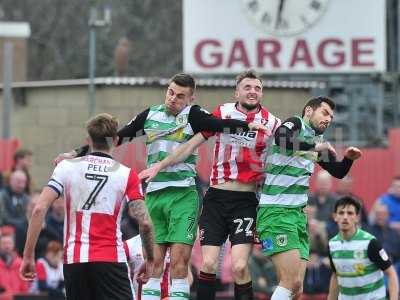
281 220
171 198
358 260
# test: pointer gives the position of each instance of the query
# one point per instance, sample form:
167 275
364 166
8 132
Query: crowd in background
18 195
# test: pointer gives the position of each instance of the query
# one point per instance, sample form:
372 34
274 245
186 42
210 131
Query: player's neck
348 234
108 152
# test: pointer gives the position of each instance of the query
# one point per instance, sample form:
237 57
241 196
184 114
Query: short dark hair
100 128
247 74
22 153
395 178
347 200
185 80
317 101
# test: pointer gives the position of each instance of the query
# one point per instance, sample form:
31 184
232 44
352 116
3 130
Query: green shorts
282 229
174 212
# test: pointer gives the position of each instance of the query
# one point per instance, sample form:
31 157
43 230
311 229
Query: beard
249 106
318 131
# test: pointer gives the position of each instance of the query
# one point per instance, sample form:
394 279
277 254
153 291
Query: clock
284 17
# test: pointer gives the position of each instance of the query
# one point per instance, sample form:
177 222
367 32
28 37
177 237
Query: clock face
284 17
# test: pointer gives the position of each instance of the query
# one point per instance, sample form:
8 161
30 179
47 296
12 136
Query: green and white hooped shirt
288 172
359 278
165 132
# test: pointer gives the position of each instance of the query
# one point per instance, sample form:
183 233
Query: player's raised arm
339 169
135 128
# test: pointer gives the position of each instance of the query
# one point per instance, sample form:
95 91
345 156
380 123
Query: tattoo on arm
141 214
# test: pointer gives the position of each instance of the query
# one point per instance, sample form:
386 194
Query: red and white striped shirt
134 253
94 188
241 156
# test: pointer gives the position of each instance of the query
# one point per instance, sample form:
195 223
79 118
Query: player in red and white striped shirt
240 157
229 206
95 188
136 257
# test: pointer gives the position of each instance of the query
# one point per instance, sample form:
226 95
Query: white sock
152 289
180 289
281 293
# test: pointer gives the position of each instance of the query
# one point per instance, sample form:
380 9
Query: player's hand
255 126
62 156
145 271
352 153
325 146
150 173
27 269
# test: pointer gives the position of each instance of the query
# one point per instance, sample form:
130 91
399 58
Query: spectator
323 198
13 199
316 280
23 162
318 233
45 236
263 274
55 218
345 188
387 236
392 200
10 281
13 203
50 279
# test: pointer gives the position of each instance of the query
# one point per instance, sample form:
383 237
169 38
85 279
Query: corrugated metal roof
148 81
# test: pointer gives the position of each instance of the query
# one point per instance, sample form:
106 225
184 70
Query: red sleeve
134 187
216 113
41 271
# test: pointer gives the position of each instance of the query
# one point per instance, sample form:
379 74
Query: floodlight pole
10 30
92 61
93 24
7 89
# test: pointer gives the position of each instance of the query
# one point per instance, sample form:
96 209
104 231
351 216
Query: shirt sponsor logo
244 139
289 125
359 269
383 255
267 244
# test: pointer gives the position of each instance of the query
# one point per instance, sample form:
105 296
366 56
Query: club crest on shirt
359 254
181 120
281 240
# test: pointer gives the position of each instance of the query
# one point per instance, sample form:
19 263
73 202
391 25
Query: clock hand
280 9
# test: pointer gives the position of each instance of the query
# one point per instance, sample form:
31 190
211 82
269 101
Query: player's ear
89 142
308 111
115 141
334 216
236 94
358 218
